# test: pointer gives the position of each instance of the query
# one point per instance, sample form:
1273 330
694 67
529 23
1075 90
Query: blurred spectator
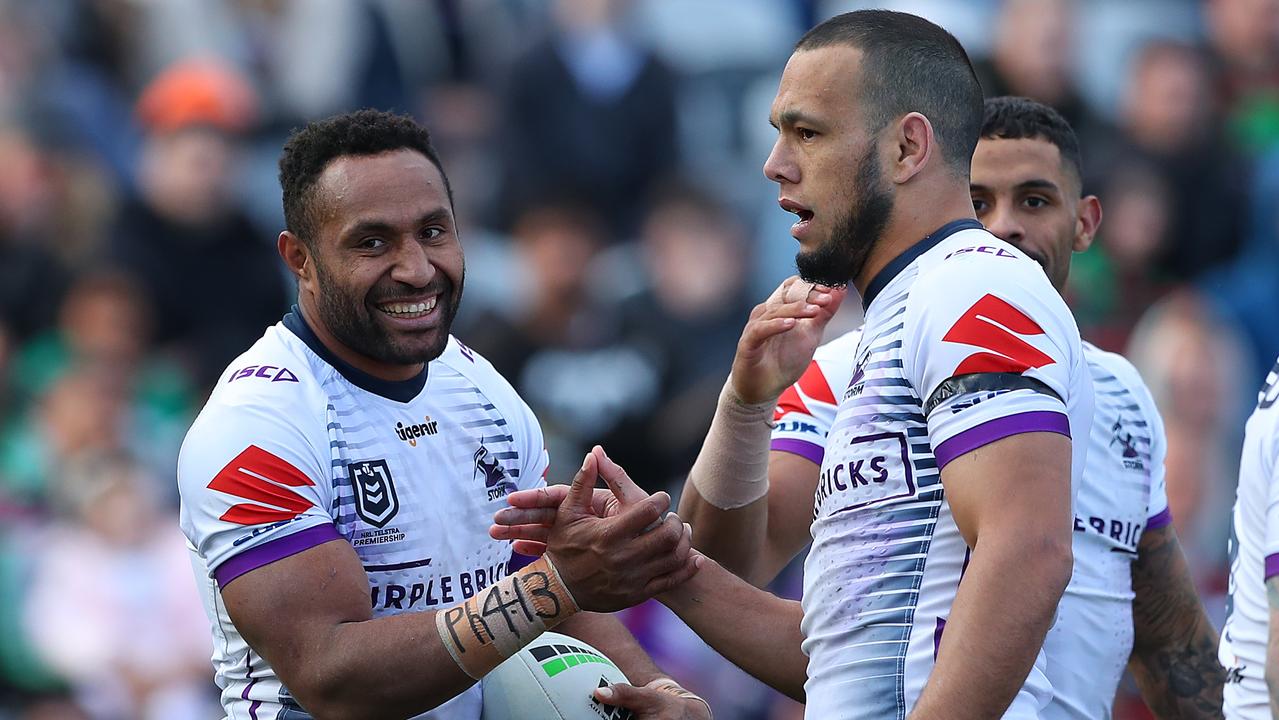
1244 37
687 323
1168 129
1033 56
1195 365
31 275
561 347
105 323
83 411
590 111
112 607
213 281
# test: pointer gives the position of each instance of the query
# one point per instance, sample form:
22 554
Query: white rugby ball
552 678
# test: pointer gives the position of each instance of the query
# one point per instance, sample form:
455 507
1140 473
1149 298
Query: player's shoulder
277 370
461 359
973 260
277 382
1112 367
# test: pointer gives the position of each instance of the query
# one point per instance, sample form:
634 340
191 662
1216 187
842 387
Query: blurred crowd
605 156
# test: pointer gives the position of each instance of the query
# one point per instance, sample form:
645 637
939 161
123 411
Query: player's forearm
404 665
1001 613
734 538
1174 657
756 630
610 637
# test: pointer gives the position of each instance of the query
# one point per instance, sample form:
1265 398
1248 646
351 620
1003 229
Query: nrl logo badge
375 498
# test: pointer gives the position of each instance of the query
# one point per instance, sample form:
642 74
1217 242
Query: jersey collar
398 390
899 263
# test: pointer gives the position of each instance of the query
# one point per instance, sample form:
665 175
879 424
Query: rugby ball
552 678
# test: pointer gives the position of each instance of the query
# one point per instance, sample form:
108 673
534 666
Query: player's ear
296 255
915 141
1087 221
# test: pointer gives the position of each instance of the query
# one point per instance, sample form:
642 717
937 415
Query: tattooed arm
1174 655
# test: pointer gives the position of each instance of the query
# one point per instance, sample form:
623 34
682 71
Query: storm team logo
375 498
492 474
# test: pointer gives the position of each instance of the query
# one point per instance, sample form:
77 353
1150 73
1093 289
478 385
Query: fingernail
604 693
811 308
586 461
788 322
688 528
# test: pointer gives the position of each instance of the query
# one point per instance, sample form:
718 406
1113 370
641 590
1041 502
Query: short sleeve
806 411
1272 518
1157 513
993 352
254 487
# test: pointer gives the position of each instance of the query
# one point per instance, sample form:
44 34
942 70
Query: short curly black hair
363 132
1018 118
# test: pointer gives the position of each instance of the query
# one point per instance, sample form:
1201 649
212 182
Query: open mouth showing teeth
804 215
408 310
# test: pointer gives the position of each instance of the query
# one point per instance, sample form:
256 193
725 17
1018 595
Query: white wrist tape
732 469
494 624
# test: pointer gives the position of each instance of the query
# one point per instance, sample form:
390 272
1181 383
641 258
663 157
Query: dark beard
841 258
352 322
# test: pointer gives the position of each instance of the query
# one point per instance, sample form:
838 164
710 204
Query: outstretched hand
780 338
612 548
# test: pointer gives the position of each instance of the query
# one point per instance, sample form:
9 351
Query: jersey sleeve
254 487
1272 512
806 411
804 416
992 351
1157 513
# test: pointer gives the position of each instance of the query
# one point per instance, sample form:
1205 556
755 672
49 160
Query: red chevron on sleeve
257 475
815 387
993 324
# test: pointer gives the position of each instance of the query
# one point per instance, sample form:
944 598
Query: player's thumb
639 700
582 490
627 492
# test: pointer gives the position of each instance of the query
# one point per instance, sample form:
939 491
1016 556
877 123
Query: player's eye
432 232
1035 202
980 206
371 243
805 134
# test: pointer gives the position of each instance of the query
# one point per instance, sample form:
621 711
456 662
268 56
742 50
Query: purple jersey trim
1272 566
998 429
269 552
802 448
518 562
1161 519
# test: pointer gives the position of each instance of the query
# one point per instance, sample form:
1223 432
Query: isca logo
410 433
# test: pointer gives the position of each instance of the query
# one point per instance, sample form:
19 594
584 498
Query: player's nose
780 166
1005 226
413 265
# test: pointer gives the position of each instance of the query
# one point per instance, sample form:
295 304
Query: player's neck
363 363
911 222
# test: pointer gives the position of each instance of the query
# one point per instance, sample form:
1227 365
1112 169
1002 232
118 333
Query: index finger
627 492
549 496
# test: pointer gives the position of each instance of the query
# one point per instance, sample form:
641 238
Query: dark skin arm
1174 654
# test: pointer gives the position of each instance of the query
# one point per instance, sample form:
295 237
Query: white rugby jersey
1122 494
1254 559
296 448
965 343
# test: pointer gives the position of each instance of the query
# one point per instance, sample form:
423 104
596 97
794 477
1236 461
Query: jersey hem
269 552
807 450
998 429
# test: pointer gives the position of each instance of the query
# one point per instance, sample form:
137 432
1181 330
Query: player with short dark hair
337 486
1131 600
951 456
